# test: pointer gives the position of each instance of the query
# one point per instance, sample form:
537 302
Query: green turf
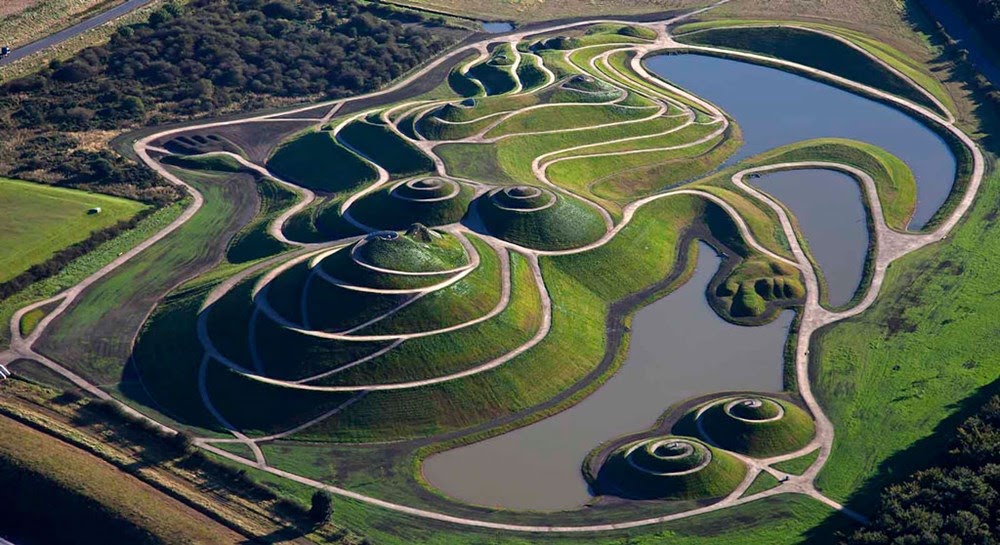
890 377
569 223
83 266
620 476
38 220
216 163
760 439
763 481
315 161
255 241
386 148
798 466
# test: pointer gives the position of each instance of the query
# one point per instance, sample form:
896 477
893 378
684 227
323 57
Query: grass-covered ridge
315 161
669 468
758 426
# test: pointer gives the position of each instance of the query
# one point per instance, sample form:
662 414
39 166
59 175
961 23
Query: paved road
72 32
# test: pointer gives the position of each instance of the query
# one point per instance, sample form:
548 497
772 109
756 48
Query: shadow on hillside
959 72
921 455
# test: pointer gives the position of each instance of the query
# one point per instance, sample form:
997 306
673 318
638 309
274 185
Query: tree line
984 14
955 503
197 59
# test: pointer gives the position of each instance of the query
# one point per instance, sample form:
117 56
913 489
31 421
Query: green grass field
38 220
892 378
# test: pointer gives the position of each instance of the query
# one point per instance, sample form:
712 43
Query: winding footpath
889 246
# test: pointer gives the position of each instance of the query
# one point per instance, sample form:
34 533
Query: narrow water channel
679 348
828 208
774 108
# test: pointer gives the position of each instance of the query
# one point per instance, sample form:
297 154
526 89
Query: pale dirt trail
890 246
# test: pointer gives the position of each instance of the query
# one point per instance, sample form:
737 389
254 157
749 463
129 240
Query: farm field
37 220
549 287
51 480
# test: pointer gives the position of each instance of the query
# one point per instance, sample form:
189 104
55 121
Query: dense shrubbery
196 59
957 502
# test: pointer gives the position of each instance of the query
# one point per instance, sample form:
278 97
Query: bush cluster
956 502
196 59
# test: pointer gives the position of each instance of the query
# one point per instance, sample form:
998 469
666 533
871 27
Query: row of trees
200 58
956 503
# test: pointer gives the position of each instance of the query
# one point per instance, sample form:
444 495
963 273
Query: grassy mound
757 426
315 161
536 218
463 85
381 145
757 285
673 468
430 201
589 84
495 79
418 250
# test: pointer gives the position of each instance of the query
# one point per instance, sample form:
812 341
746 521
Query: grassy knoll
383 146
411 253
756 286
64 493
918 359
314 160
215 163
39 220
661 468
398 208
763 481
756 434
495 78
814 50
568 223
798 466
582 287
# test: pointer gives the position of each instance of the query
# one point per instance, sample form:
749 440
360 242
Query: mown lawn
38 220
893 377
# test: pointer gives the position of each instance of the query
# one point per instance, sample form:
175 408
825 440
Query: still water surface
679 347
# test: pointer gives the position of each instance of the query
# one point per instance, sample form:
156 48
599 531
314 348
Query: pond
497 27
679 347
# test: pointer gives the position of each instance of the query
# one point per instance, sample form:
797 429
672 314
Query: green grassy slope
315 161
38 220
